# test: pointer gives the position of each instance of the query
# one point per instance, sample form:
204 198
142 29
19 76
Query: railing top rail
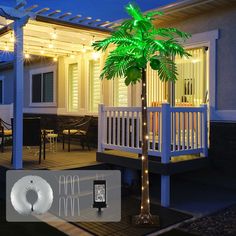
131 109
187 109
154 109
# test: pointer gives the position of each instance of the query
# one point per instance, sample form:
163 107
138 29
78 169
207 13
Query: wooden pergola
28 30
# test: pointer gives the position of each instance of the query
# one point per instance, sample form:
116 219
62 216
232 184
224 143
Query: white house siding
224 20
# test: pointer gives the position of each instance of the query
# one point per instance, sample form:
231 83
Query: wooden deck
131 160
60 160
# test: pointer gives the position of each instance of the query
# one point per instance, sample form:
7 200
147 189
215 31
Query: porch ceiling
50 39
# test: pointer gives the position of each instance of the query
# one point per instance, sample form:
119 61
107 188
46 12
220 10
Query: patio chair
79 132
33 135
5 133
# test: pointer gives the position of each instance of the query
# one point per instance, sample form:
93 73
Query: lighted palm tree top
138 42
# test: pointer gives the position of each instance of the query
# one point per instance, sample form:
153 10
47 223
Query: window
1 91
94 85
73 85
42 87
120 91
191 86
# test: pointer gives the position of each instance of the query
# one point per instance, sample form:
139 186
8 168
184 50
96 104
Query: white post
101 128
205 131
18 94
166 133
165 152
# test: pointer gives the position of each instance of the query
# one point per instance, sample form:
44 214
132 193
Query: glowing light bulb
54 34
72 56
148 201
12 38
142 188
54 58
95 55
141 207
144 123
146 171
142 157
42 51
50 45
83 49
27 55
146 137
6 48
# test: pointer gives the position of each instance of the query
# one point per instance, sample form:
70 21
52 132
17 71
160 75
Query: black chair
79 132
5 133
33 135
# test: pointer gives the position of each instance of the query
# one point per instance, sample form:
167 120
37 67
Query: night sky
103 9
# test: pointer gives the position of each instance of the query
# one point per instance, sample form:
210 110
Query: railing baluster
132 134
188 128
192 116
137 130
174 131
159 131
196 129
114 128
183 128
127 130
123 128
153 130
148 127
118 128
109 128
179 131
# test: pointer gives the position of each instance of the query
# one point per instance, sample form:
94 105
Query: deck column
18 93
101 127
165 152
165 190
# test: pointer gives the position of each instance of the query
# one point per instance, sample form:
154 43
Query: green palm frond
171 33
119 38
138 42
167 70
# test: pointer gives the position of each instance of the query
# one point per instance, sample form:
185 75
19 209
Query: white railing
172 131
6 112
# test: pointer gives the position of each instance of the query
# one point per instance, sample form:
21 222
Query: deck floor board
59 160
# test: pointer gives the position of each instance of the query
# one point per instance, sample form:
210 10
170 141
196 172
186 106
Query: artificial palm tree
139 43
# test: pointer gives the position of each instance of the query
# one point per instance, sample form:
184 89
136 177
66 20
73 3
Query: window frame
88 102
43 70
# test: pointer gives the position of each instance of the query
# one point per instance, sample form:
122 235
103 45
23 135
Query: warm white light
54 58
148 201
142 188
27 55
142 98
95 55
12 39
83 49
142 157
146 137
144 123
72 56
141 207
54 34
50 45
6 48
146 171
144 108
144 85
42 51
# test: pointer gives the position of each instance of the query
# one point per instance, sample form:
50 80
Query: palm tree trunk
145 218
145 205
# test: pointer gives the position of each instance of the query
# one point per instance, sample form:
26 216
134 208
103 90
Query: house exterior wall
224 20
7 76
